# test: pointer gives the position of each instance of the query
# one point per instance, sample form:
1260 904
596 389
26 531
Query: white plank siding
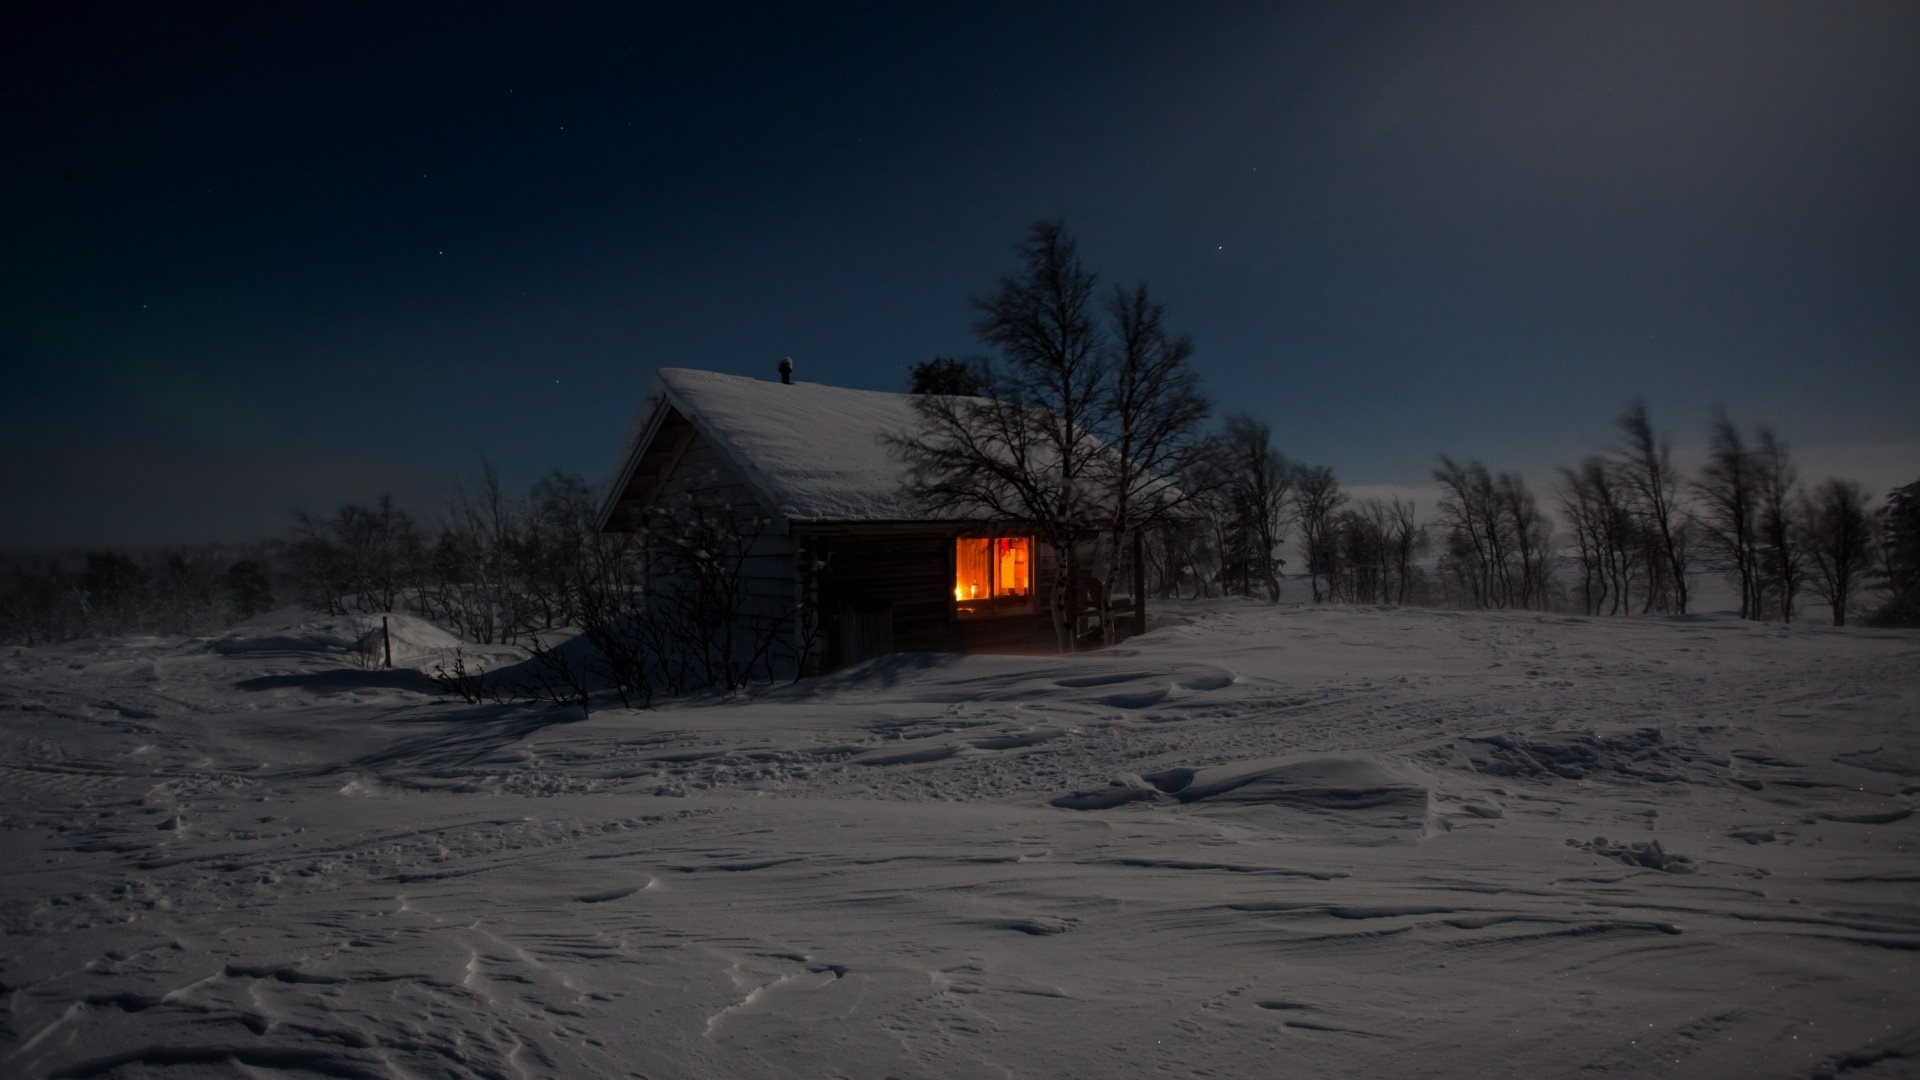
704 473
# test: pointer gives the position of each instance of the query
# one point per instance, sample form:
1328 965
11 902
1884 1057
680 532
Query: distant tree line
93 593
1631 532
1042 431
1085 423
1639 527
497 568
505 569
530 570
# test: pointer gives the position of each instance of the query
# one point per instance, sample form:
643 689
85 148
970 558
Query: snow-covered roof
815 453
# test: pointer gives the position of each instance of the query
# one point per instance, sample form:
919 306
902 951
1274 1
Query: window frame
990 605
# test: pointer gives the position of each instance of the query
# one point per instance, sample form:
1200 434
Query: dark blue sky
257 261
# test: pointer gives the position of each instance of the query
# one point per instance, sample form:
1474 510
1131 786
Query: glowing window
996 569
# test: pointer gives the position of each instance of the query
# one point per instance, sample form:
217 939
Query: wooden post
386 640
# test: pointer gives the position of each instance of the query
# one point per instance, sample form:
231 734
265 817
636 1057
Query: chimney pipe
786 370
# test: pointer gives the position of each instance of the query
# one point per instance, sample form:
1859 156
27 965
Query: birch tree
1026 449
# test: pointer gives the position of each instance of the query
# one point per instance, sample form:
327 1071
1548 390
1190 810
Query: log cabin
839 552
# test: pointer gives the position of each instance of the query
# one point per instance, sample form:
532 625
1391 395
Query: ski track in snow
1353 842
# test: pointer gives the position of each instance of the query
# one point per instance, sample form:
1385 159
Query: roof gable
813 453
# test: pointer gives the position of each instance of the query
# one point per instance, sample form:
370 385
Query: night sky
258 260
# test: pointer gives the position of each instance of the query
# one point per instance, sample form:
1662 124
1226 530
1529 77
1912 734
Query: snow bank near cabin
293 631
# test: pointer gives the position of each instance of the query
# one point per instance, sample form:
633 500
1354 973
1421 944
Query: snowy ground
1293 841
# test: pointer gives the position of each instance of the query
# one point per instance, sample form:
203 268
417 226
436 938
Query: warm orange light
992 568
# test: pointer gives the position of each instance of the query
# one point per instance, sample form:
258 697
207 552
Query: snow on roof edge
813 453
644 420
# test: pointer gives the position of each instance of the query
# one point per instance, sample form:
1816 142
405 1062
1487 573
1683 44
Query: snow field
1299 841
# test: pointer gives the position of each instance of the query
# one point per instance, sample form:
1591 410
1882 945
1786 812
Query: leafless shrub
554 677
463 679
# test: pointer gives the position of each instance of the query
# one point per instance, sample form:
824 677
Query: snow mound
289 630
1350 788
298 630
1122 789
1332 782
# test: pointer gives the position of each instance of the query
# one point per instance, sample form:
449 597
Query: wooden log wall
912 574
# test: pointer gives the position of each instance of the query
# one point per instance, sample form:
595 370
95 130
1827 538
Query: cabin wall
908 576
768 570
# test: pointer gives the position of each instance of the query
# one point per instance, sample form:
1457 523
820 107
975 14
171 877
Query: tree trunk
1139 583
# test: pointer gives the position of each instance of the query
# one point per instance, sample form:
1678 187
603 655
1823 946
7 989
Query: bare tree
1628 546
1225 548
1179 553
1317 498
40 602
1899 529
318 566
1026 450
1498 540
1360 571
560 537
249 588
1729 496
488 528
631 651
1067 428
1838 538
1582 505
946 375
1781 560
1251 484
1152 413
1531 532
1477 545
1647 470
1406 539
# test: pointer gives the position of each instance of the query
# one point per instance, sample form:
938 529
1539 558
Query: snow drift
1319 841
